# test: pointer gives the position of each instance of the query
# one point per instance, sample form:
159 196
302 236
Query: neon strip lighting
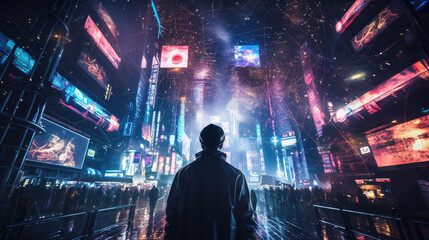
395 83
351 14
157 18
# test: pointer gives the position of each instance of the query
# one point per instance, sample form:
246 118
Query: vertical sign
147 129
313 94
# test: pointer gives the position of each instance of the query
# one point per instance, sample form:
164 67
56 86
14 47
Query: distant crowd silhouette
29 201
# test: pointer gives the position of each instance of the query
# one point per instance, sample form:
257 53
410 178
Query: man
209 198
153 198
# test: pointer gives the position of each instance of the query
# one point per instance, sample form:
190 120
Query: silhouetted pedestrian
209 198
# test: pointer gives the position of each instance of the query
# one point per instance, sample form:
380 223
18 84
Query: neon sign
102 42
80 103
378 24
147 129
22 60
369 99
351 14
313 95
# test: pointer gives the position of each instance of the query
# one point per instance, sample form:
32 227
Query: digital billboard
369 100
354 11
58 145
102 12
401 144
247 56
313 94
22 60
102 42
91 66
147 127
378 24
174 57
80 103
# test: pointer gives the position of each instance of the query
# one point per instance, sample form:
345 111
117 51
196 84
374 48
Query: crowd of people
31 201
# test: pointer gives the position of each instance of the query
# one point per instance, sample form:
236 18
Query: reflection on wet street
271 223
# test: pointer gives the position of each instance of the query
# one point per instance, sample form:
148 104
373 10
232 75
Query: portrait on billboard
174 57
247 56
59 146
401 144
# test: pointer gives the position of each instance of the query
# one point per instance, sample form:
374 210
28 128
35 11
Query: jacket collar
216 153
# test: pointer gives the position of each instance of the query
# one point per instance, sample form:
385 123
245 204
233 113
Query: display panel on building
401 144
247 56
370 99
378 24
313 94
58 145
174 57
21 59
91 66
102 42
80 103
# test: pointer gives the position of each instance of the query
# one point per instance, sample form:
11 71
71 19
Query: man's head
212 137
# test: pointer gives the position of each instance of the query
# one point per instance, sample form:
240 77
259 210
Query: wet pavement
271 224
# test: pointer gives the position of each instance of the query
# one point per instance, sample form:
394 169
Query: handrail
88 230
401 224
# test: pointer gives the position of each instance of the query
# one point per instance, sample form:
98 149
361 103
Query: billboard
80 103
247 56
288 141
369 100
147 128
102 42
174 57
354 11
95 70
22 60
378 24
58 145
137 157
401 144
313 94
103 14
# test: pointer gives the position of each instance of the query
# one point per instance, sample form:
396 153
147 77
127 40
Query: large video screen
91 66
22 60
59 146
102 42
80 103
378 24
174 57
401 144
247 56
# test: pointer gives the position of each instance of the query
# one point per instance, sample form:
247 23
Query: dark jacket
209 199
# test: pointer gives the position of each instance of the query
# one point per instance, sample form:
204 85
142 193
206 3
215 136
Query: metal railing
369 225
84 225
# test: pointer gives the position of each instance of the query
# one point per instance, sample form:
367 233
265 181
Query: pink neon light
395 83
102 42
351 14
173 163
113 124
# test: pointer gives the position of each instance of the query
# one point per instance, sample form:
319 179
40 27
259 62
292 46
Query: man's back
209 199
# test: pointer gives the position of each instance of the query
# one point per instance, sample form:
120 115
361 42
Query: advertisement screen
91 66
369 100
22 60
58 145
80 103
102 42
247 56
174 57
137 157
401 144
313 94
378 24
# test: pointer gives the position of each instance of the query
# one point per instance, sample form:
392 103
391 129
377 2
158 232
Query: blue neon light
157 19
